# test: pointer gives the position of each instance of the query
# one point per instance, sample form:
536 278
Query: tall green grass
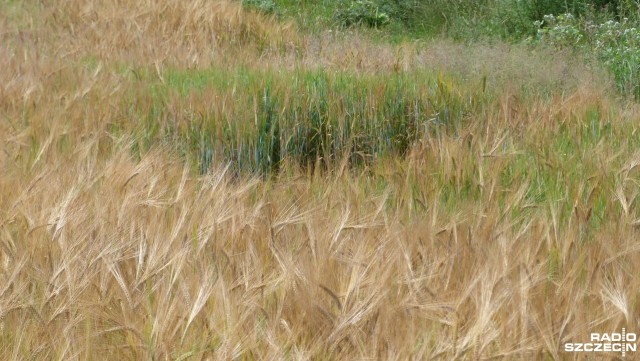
257 120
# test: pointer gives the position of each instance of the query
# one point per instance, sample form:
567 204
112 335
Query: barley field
195 180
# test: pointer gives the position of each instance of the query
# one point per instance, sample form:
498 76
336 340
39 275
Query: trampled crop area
195 180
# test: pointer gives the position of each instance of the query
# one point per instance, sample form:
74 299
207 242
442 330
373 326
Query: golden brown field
499 222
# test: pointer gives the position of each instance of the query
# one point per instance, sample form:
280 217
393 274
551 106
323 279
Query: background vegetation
329 180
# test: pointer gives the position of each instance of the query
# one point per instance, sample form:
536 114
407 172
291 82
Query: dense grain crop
194 181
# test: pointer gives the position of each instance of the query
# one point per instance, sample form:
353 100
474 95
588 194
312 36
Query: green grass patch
257 119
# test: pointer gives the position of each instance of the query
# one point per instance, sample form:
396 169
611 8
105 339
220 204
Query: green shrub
515 19
422 16
559 31
615 43
266 6
362 12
